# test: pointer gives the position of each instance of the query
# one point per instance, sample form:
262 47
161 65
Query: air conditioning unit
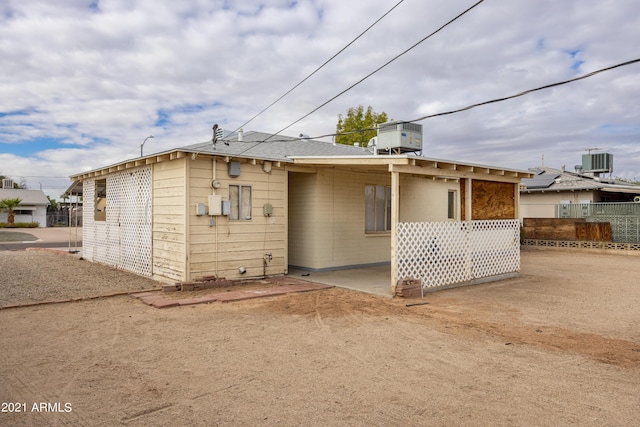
7 183
597 163
399 137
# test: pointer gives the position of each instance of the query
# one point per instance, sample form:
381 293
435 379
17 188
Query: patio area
374 280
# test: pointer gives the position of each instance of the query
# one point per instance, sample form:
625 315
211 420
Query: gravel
37 276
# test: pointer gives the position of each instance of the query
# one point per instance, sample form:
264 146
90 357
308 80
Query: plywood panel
594 231
492 200
550 228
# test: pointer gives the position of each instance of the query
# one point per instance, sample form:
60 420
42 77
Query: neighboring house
32 208
246 208
550 192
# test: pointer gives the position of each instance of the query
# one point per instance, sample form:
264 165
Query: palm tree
9 205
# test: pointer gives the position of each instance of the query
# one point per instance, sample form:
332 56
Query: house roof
549 179
29 197
255 145
304 151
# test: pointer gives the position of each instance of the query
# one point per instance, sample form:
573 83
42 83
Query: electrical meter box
226 207
215 205
201 209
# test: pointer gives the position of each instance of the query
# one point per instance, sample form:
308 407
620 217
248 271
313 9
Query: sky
83 83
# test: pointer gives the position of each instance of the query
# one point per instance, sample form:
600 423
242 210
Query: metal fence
64 217
447 253
588 210
623 217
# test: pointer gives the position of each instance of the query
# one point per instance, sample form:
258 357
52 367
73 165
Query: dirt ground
559 345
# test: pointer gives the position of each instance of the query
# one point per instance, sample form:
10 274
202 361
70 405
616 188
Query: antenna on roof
214 138
589 150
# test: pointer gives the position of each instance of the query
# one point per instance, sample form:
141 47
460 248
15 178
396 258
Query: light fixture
142 145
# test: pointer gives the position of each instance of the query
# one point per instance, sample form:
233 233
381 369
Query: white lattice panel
445 253
88 225
124 239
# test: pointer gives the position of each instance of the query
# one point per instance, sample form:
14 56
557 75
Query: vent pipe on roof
240 135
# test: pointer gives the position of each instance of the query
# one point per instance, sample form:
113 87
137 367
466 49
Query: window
240 197
377 215
100 202
451 205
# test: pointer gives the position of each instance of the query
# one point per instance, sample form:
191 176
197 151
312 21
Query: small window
100 203
240 198
451 205
377 215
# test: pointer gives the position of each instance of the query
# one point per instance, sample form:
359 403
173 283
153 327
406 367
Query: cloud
85 82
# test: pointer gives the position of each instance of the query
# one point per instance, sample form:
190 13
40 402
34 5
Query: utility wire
377 69
318 69
479 104
526 92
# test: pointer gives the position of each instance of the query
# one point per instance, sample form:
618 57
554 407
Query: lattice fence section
624 229
124 239
88 224
130 219
446 253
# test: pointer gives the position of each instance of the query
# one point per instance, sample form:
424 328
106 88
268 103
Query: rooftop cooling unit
399 137
7 183
597 163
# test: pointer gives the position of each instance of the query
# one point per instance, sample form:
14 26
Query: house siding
302 216
543 205
169 250
423 200
221 249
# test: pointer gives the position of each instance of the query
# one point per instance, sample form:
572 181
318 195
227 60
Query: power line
469 107
526 92
319 68
377 69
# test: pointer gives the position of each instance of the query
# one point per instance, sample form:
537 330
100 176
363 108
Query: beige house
550 192
245 207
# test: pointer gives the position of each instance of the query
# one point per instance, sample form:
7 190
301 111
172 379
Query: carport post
395 210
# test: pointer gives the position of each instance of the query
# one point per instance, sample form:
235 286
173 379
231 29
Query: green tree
9 205
53 203
358 119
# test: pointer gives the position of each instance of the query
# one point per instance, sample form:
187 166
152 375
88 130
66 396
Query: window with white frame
377 212
451 204
100 202
240 198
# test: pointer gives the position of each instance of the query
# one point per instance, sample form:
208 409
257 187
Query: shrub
34 224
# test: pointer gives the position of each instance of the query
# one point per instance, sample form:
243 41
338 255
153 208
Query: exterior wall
221 249
543 205
327 214
302 218
424 200
169 220
38 214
